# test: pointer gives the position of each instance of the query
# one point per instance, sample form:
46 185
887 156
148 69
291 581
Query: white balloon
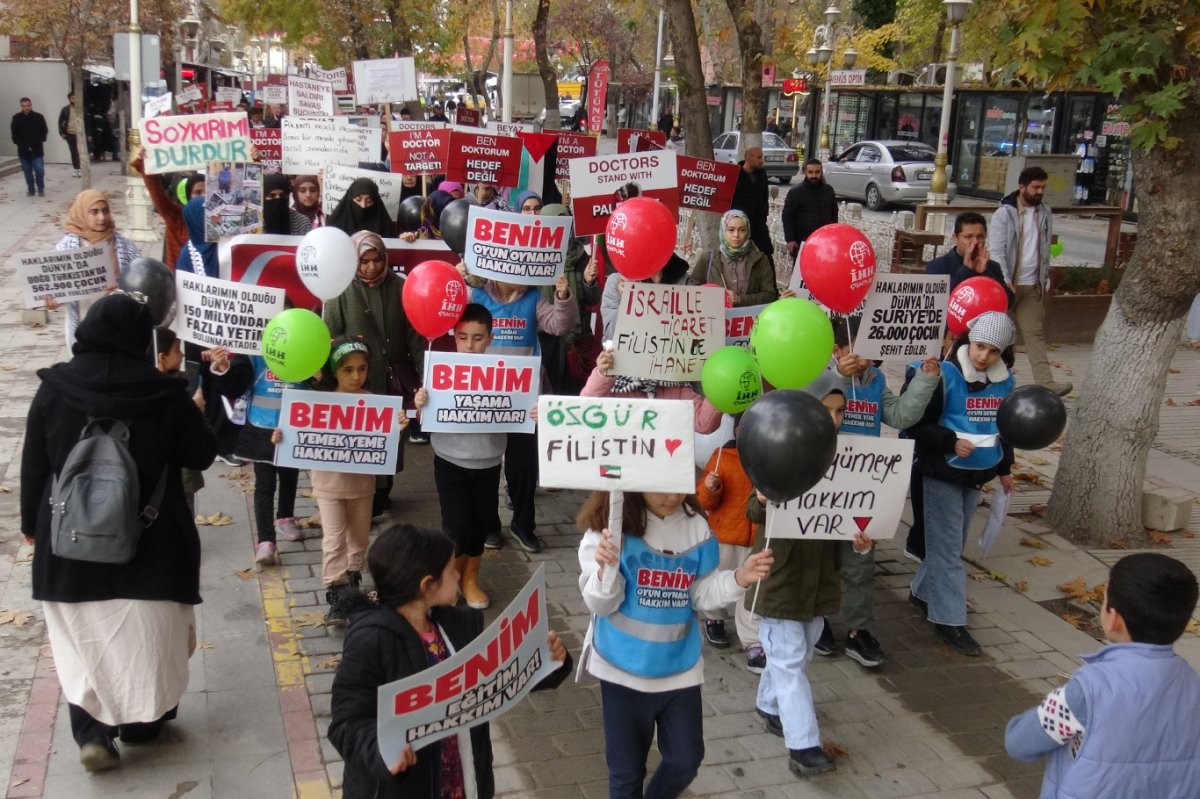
326 261
707 443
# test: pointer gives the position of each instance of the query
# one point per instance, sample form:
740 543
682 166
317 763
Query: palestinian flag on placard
611 472
539 155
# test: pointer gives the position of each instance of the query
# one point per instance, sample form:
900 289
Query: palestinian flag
539 155
611 472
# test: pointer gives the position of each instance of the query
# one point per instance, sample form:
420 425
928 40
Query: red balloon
434 297
640 237
837 263
972 297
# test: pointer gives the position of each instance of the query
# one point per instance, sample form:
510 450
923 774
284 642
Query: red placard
627 140
794 86
572 145
600 183
484 158
597 95
468 117
269 144
422 151
216 105
706 185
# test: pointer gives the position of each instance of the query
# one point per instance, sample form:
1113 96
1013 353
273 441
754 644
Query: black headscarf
350 218
116 325
431 213
276 216
192 180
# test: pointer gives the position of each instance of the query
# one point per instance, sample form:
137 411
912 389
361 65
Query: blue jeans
942 579
783 689
630 717
34 167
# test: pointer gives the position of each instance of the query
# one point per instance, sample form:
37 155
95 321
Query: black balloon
454 225
156 283
1031 417
786 443
409 216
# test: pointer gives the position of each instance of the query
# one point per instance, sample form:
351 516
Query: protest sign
600 182
313 144
904 318
189 94
228 94
221 313
509 128
420 151
516 248
233 202
611 444
157 106
220 105
338 432
738 324
336 78
309 98
275 90
667 332
385 80
627 140
66 275
863 490
706 185
468 117
484 158
572 145
338 180
183 143
480 393
268 143
417 124
369 135
481 681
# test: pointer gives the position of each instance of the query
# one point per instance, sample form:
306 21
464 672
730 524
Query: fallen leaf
310 522
202 520
1033 478
8 368
1037 510
313 619
331 662
1020 586
17 618
1157 537
246 574
1194 402
1118 543
1032 543
204 644
1173 370
1036 461
307 493
26 558
1075 589
5 490
1192 627
835 750
1037 561
1187 534
1074 619
21 781
979 576
1097 592
1170 401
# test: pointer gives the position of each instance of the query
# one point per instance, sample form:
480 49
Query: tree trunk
487 59
1098 488
549 76
81 141
751 47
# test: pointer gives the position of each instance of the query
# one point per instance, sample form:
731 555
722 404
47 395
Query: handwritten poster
863 490
189 142
904 318
309 98
480 393
233 203
370 134
222 313
312 144
667 332
385 80
66 275
738 324
610 444
338 432
338 180
599 184
419 151
516 248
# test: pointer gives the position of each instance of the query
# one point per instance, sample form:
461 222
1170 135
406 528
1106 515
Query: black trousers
73 146
521 472
265 475
469 504
86 729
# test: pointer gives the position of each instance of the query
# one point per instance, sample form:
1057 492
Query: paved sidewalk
928 723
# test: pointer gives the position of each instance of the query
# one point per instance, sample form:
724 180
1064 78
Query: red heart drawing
672 445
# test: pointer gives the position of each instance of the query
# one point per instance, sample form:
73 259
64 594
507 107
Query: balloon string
758 585
853 378
717 465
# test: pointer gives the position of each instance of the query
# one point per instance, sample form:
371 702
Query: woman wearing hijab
307 202
278 217
528 202
168 205
486 196
121 633
90 222
582 272
362 209
739 267
197 256
431 216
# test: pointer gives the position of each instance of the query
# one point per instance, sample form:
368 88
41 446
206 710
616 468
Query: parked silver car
882 172
779 160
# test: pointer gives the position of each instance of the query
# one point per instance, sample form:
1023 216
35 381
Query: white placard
904 318
502 128
516 248
667 332
66 275
738 324
229 94
863 490
480 393
189 142
309 98
313 144
335 77
189 94
385 80
337 432
157 106
222 313
274 94
338 179
611 444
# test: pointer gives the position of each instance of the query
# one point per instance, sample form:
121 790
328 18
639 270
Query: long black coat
752 197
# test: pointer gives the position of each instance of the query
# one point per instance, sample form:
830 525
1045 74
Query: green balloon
731 379
1056 249
295 344
792 339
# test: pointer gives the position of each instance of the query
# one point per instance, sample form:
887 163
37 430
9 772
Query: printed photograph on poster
190 141
612 444
66 275
600 183
419 151
234 199
268 145
706 185
385 80
516 248
480 682
337 180
863 490
336 432
484 158
480 393
667 332
904 318
221 313
738 324
312 144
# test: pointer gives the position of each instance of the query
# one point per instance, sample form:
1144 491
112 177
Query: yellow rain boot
469 584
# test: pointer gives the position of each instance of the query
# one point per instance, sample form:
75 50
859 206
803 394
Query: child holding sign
645 639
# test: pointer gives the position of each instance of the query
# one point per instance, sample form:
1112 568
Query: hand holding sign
838 266
972 297
640 237
434 298
326 261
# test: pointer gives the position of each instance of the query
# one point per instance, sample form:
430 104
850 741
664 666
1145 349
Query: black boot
353 580
336 617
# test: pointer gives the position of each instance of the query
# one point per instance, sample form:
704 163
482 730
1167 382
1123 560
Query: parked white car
882 172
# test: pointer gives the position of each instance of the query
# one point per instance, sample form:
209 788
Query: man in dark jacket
969 256
29 134
809 206
750 197
67 121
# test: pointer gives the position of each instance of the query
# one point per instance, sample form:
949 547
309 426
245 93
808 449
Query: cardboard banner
738 324
863 490
612 444
66 275
189 94
313 144
572 145
233 203
309 98
468 117
221 313
417 124
479 683
158 106
338 179
385 80
627 140
904 318
598 184
268 146
597 95
516 248
419 151
186 143
480 393
667 332
484 158
706 185
337 432
228 94
509 128
337 78
274 92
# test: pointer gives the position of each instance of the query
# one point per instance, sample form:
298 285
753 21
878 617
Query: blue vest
514 324
972 412
266 395
654 632
864 406
1142 704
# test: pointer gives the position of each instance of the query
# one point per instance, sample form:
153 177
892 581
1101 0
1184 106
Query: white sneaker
264 553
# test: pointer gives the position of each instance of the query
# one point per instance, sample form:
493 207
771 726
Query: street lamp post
140 229
956 10
824 39
658 64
